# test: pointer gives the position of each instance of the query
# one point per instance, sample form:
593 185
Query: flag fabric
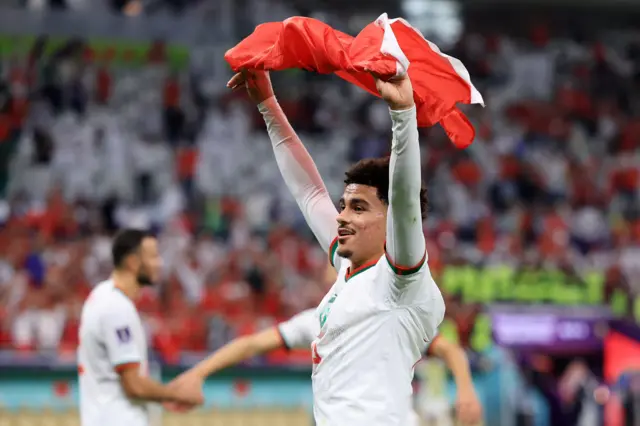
387 47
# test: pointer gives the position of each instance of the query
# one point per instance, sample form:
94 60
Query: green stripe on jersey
332 251
405 271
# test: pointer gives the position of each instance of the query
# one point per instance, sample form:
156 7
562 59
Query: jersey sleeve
405 248
300 330
301 176
428 351
118 328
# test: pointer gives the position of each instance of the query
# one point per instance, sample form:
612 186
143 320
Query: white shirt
301 330
375 321
372 334
111 336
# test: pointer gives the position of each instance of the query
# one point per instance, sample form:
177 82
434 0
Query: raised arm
405 246
300 174
296 165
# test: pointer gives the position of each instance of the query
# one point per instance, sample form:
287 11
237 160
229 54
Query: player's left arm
297 332
238 350
405 245
232 353
468 406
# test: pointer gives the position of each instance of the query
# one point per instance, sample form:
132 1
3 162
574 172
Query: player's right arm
125 357
296 165
405 245
405 248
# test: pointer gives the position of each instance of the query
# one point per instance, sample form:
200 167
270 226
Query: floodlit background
114 113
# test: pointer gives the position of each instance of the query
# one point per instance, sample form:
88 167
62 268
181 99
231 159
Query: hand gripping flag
385 47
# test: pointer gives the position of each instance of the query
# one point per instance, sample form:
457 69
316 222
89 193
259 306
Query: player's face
150 262
362 223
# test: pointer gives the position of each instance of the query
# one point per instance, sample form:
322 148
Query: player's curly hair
375 172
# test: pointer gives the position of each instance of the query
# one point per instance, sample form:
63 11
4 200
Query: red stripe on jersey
352 273
332 250
315 357
416 363
122 367
405 270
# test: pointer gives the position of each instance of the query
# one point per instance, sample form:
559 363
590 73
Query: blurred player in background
431 399
384 307
299 332
112 356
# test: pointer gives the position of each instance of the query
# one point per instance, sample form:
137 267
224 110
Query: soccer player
384 306
112 357
299 332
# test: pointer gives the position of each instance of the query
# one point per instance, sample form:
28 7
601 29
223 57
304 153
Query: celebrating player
112 356
384 306
299 332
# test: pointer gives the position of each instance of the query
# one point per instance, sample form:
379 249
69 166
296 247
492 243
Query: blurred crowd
89 144
123 7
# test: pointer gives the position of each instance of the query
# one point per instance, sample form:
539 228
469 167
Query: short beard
144 280
344 253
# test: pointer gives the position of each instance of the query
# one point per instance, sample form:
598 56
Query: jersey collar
352 273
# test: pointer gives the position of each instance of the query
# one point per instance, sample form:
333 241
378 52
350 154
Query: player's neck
126 283
364 262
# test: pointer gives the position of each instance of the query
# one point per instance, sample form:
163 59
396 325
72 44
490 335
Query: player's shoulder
383 270
417 272
106 295
379 269
300 330
304 320
416 284
305 317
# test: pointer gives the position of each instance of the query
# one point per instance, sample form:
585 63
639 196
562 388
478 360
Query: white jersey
376 320
111 338
371 337
302 329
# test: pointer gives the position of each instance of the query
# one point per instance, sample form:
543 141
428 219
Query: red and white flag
387 47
